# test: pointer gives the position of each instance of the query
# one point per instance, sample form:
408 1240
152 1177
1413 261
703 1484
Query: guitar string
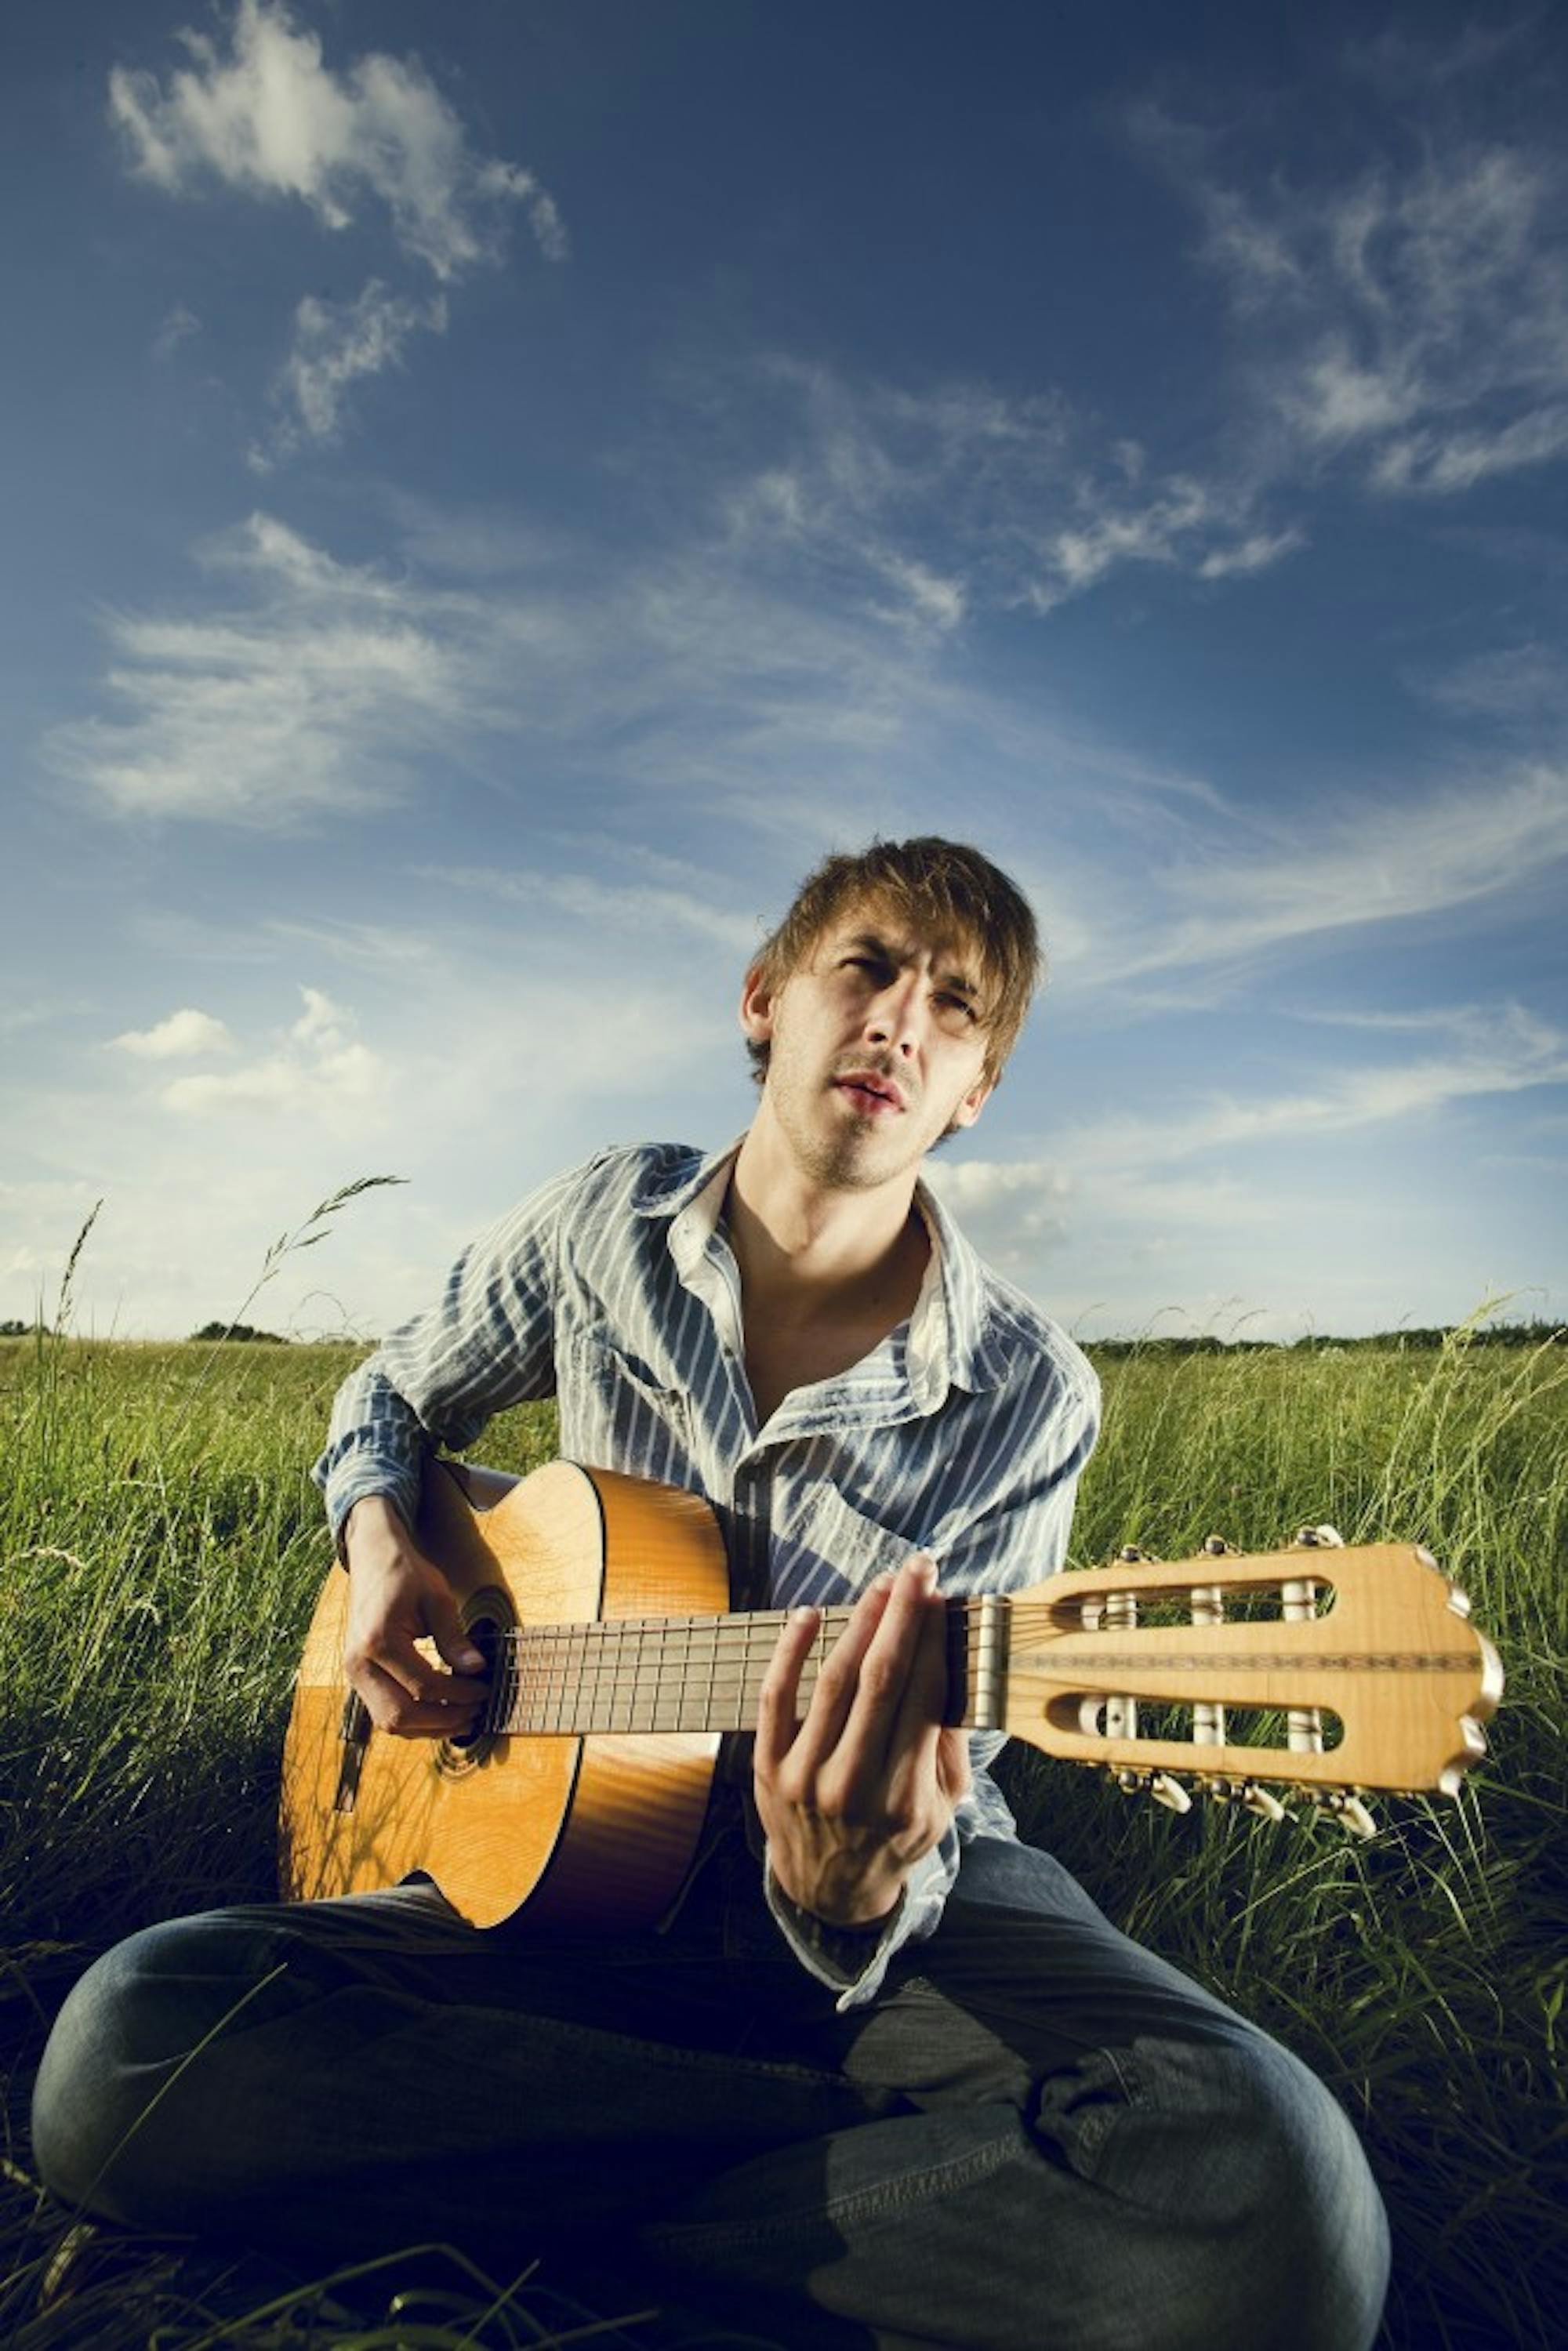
624 1679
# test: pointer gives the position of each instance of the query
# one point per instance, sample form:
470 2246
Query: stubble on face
838 1144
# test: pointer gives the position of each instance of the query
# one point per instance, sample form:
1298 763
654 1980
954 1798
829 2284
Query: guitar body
589 1832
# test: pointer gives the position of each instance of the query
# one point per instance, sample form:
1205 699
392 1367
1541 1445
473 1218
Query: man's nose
895 1016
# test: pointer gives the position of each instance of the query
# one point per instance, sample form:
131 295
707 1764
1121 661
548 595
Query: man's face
876 1047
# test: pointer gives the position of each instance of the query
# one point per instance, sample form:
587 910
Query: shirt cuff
841 1957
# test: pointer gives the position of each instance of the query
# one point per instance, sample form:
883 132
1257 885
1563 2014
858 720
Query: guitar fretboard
676 1673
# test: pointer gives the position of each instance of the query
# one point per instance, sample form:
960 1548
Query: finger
428 1684
447 1631
953 1762
390 1651
392 1709
915 1732
778 1699
838 1681
891 1661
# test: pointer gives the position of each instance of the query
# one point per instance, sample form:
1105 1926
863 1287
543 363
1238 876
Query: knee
1269 2227
101 2105
1318 2257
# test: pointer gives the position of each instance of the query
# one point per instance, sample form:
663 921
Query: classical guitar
601 1604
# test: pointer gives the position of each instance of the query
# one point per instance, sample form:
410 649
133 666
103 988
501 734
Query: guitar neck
634 1675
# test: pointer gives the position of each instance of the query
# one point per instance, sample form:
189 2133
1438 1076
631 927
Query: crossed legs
1039 2134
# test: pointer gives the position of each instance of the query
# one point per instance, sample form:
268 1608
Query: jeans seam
880 2203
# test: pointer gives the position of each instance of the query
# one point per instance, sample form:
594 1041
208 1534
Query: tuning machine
1345 1806
1247 1794
1157 1784
1324 1538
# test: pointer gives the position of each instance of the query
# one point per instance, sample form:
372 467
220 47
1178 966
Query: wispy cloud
178 328
182 1036
265 118
307 699
959 498
314 688
1414 314
624 910
269 119
335 344
1375 863
1520 1052
1512 685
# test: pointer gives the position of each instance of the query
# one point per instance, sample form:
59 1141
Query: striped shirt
614 1289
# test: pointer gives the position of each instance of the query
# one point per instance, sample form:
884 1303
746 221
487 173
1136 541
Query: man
885 2075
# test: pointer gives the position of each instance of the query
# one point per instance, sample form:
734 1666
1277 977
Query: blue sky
494 494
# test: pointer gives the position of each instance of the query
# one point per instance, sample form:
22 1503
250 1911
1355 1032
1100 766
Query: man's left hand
853 1795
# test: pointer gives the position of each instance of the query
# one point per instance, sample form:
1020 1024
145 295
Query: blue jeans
1039 2134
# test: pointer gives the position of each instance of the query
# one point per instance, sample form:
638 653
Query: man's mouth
871 1093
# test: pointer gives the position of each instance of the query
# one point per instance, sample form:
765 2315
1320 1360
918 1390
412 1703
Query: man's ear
758 1005
973 1103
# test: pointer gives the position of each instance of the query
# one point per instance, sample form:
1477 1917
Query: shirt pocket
825 1550
616 1415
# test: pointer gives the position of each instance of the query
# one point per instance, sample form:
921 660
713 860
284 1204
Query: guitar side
585 1832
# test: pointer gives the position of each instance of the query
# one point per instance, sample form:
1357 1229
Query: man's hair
943 890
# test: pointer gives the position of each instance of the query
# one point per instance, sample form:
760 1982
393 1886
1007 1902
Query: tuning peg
1321 1538
1217 1546
1347 1809
1157 1784
1132 1553
1259 1799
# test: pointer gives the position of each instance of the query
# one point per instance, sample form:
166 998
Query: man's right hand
397 1597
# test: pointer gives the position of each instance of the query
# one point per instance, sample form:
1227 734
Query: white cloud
961 497
319 1074
335 344
1521 1054
1249 554
322 1025
176 329
183 1035
1412 321
1376 863
308 700
619 910
270 120
1511 685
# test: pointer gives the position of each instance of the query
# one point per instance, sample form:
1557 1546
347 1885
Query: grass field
161 1547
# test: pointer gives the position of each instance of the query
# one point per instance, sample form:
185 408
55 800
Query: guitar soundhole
488 1617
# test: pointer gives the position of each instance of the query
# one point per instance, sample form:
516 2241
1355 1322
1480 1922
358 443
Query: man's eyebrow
872 942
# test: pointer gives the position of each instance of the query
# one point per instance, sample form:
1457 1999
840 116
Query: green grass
161 1547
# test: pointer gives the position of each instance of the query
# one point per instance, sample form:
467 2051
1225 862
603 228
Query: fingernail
924 1571
885 1581
471 1660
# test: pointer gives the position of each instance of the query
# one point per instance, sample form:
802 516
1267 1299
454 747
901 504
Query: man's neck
810 1252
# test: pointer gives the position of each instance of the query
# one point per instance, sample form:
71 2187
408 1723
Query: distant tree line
240 1331
1491 1335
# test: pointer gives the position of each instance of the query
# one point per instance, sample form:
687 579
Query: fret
639 1674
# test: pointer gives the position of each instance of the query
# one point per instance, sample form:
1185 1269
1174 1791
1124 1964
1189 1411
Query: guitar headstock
1339 1669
